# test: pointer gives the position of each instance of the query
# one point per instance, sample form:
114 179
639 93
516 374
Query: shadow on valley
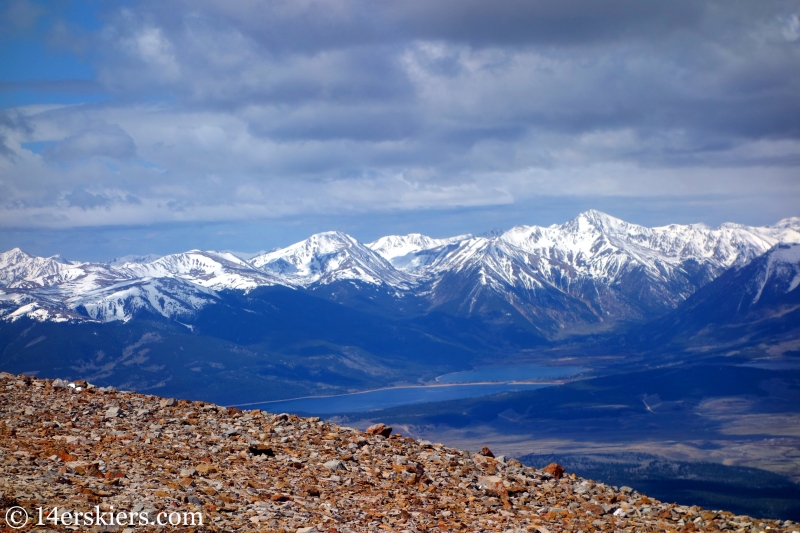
741 490
271 343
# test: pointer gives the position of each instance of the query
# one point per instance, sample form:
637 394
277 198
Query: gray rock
168 402
112 412
334 464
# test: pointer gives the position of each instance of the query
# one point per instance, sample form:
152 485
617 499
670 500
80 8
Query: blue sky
158 127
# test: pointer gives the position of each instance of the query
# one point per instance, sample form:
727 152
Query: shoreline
426 386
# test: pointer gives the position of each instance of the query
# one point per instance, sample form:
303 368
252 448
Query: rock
486 452
334 465
59 384
188 472
309 529
168 402
379 429
205 469
261 449
84 469
483 462
555 470
112 412
493 485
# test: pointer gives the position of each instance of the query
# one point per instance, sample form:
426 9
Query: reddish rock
379 429
555 470
493 485
486 452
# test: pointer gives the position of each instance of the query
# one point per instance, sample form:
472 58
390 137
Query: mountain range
589 273
331 314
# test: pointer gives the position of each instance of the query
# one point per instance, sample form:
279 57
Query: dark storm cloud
309 26
721 67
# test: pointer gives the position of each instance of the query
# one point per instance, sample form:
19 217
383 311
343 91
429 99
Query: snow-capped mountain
22 271
331 256
591 271
613 269
405 251
757 303
172 286
214 270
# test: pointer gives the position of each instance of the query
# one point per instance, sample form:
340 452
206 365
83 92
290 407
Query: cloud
86 200
18 17
104 140
240 110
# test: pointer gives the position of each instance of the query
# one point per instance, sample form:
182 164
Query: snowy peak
593 220
306 258
20 270
412 253
328 257
393 246
788 223
214 270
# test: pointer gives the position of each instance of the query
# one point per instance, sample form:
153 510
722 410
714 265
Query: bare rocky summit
86 449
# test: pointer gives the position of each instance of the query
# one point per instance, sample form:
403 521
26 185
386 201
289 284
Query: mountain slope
206 467
750 310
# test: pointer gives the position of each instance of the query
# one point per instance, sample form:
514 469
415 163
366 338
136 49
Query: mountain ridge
592 271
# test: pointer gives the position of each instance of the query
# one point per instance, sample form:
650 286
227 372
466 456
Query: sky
157 127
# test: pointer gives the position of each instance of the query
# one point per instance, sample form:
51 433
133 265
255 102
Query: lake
384 398
455 386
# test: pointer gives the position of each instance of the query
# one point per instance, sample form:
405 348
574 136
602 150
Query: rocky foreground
99 451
